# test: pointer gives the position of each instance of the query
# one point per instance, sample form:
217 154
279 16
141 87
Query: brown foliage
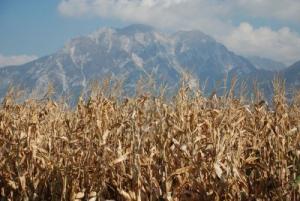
146 148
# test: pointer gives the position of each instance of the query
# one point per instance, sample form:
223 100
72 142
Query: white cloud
214 17
74 7
183 14
183 10
15 60
276 9
283 44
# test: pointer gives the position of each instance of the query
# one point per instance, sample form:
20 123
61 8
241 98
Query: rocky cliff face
129 53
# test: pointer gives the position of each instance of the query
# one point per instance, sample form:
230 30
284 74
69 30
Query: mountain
292 76
266 64
131 53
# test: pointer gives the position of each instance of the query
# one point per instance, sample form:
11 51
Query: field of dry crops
148 148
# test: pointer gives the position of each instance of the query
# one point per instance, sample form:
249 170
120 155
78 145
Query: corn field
148 147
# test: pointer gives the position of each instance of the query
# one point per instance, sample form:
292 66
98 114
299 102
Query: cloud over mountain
219 18
282 44
281 9
16 59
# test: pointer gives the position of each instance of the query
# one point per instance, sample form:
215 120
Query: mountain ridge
135 51
266 64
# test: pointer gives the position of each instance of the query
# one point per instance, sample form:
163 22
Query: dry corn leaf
120 159
218 170
92 194
251 160
181 170
125 195
79 195
12 184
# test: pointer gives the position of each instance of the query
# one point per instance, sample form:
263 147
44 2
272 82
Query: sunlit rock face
130 53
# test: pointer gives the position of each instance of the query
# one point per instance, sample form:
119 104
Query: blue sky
34 28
